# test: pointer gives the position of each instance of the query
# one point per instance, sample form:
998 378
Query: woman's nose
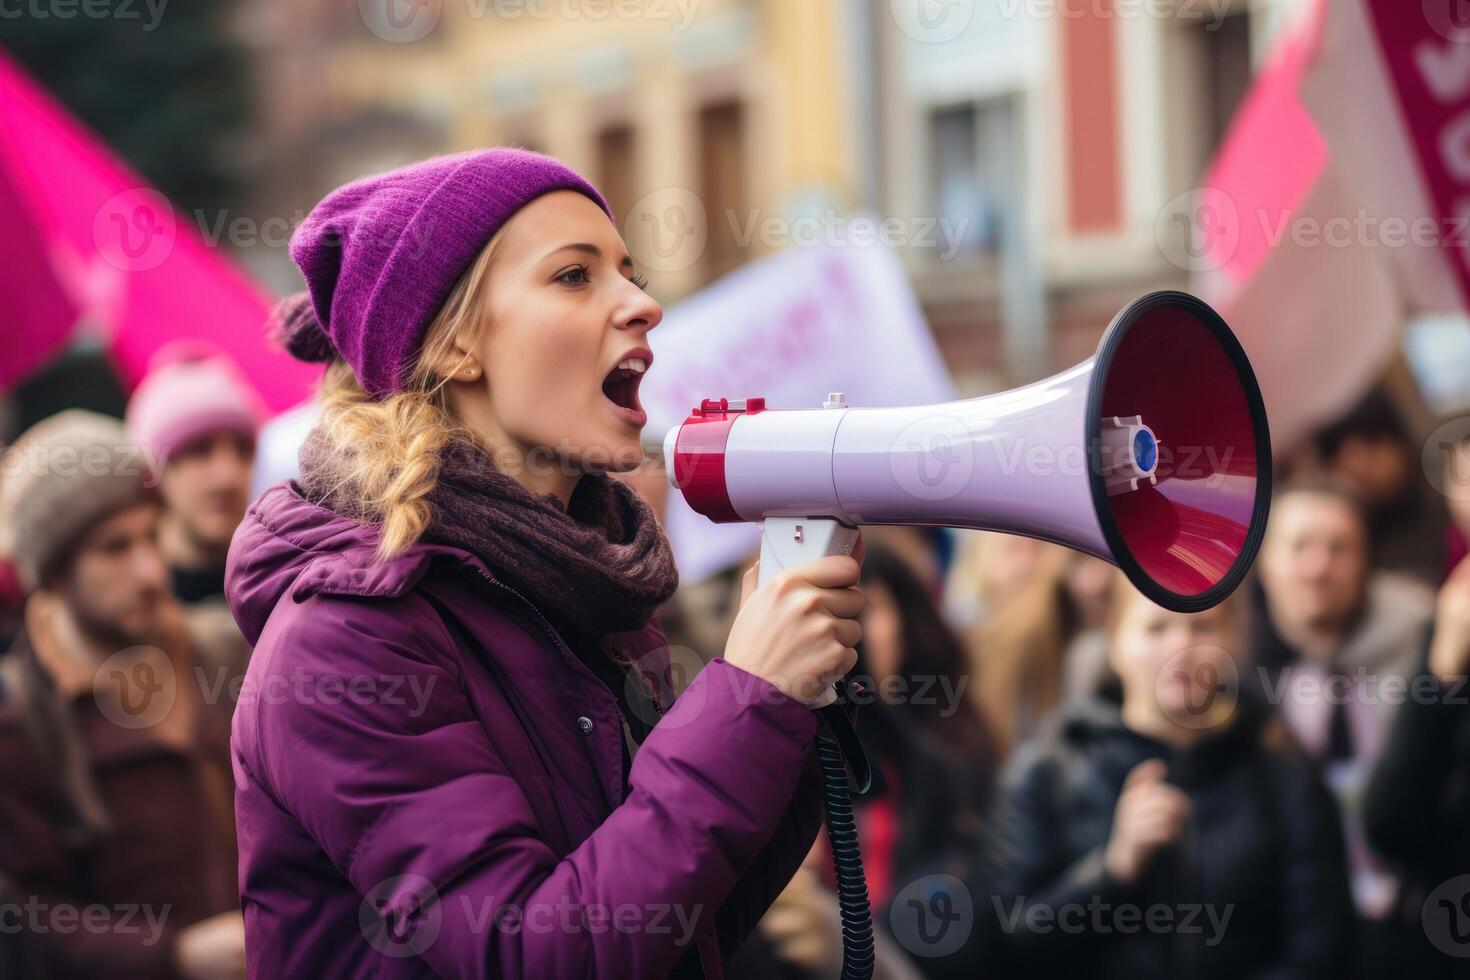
641 311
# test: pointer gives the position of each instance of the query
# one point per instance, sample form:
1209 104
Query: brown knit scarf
601 565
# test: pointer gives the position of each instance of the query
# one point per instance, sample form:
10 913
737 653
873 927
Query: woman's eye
575 276
640 280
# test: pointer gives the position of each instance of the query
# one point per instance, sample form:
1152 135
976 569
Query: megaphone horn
1154 454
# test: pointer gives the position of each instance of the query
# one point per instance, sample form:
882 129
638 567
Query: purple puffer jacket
428 782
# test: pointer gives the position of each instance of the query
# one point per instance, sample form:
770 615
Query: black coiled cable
852 887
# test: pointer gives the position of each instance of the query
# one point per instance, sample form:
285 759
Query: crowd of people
1068 778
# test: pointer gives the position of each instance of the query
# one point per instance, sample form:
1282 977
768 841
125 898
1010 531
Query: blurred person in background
1331 635
1370 450
934 761
1416 808
197 418
1042 646
114 763
1163 836
989 570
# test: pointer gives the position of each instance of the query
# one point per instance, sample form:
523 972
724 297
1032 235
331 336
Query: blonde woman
1167 835
455 750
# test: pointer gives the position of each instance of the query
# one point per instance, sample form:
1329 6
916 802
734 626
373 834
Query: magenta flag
1336 209
1426 51
85 243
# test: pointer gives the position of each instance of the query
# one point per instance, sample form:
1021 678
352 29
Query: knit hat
191 389
382 254
63 476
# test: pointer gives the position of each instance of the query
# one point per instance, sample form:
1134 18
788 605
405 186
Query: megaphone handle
788 541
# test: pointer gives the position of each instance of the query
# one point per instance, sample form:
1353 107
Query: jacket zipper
549 632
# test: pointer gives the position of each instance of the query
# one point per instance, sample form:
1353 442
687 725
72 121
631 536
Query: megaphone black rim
1112 533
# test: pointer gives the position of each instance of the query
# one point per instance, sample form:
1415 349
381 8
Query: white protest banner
790 329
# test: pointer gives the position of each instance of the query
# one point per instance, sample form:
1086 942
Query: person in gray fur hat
113 759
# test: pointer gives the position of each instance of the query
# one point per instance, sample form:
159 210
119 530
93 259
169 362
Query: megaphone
1154 454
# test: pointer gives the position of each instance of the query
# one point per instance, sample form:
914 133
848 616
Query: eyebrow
590 249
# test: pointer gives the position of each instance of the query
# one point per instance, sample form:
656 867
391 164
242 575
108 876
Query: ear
460 365
469 370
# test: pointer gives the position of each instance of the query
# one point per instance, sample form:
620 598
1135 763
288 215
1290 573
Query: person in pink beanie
196 417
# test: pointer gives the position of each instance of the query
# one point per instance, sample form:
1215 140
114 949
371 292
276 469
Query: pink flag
1335 210
87 242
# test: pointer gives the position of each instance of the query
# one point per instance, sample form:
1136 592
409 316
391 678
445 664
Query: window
616 168
1227 57
722 182
971 149
1207 74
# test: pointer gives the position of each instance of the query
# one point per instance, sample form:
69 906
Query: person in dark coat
1159 836
116 839
1417 805
456 753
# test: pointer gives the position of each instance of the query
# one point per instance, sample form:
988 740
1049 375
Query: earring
470 372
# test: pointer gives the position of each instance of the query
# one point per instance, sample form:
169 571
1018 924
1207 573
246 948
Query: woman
441 762
1041 647
1161 837
935 754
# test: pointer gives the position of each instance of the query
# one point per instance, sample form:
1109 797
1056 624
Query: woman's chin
618 452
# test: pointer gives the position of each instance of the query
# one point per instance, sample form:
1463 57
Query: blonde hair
388 450
1022 644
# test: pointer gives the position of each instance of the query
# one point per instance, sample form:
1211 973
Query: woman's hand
1150 815
798 630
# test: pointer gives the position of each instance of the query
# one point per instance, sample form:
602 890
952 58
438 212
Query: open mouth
621 384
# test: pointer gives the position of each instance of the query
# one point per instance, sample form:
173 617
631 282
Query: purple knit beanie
381 255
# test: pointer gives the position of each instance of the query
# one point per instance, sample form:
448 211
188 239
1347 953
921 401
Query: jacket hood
288 548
